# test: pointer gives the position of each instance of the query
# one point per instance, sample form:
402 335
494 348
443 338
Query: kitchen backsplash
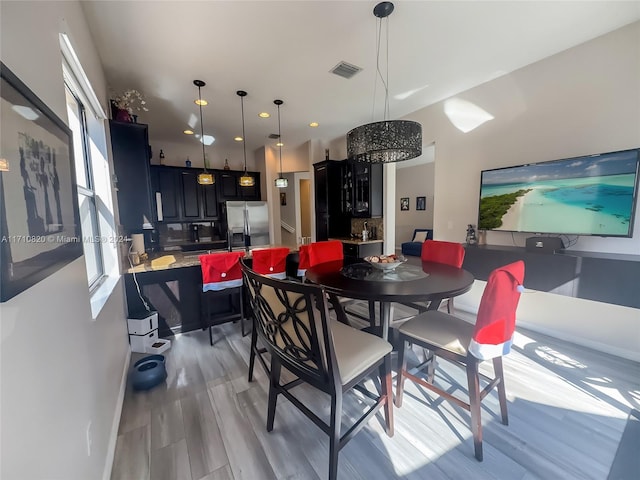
373 225
170 234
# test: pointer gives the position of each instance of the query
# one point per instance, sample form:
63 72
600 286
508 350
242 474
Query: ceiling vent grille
345 70
274 136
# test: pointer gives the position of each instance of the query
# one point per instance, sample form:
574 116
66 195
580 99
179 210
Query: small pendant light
280 182
204 178
245 180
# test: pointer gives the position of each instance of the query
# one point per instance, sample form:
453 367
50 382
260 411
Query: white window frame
98 188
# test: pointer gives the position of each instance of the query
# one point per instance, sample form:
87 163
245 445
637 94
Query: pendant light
204 178
245 180
389 140
281 182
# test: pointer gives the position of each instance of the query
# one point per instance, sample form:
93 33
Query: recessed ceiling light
314 124
202 102
188 132
264 115
279 144
238 139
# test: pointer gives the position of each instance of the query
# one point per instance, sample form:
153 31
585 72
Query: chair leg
431 366
402 366
372 314
502 392
273 391
473 380
387 392
252 352
334 434
242 330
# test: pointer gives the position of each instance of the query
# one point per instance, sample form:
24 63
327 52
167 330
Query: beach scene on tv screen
591 195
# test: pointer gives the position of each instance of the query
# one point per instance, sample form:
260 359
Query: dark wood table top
438 281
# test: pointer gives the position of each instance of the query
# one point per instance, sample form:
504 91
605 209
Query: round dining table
408 283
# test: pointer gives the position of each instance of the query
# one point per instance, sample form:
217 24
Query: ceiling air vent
274 136
345 70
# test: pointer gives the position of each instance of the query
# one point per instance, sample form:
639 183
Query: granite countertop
357 241
174 259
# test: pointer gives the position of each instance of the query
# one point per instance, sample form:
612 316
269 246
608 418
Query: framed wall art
404 203
421 203
39 215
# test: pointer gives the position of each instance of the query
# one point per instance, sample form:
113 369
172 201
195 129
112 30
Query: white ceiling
285 49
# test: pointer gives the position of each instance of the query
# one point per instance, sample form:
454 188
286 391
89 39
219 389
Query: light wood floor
567 410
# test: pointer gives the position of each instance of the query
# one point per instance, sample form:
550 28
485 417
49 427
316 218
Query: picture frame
283 198
421 203
39 214
404 203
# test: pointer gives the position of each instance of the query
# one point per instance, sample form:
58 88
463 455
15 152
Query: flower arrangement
130 100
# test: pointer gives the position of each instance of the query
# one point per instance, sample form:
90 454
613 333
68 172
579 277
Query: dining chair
468 345
271 262
329 251
292 319
449 253
222 277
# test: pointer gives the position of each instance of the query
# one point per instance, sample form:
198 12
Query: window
86 119
76 112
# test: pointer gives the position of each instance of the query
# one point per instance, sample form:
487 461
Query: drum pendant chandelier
389 140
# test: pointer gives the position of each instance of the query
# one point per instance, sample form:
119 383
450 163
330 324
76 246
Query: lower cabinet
175 294
361 250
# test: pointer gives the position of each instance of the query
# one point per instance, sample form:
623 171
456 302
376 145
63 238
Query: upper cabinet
131 153
367 190
230 189
332 219
180 198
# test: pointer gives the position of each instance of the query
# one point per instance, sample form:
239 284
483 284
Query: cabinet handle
159 206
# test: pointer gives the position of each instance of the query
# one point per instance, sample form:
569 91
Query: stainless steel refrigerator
247 224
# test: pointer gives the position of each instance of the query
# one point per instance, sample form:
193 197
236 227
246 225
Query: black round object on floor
148 372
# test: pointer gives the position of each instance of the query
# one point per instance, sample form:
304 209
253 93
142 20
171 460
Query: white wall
61 369
581 101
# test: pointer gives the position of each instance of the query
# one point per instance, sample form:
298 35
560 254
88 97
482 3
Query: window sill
101 294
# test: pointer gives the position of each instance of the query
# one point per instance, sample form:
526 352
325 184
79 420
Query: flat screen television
590 195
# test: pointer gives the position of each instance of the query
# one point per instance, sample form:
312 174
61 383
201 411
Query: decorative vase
122 115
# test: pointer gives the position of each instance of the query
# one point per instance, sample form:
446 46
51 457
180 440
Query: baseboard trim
115 425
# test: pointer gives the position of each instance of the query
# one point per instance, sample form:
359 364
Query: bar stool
271 262
222 276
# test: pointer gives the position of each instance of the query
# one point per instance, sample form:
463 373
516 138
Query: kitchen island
171 284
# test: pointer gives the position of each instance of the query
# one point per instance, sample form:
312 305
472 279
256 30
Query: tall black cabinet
331 218
131 154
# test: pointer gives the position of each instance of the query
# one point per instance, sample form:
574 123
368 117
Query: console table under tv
602 277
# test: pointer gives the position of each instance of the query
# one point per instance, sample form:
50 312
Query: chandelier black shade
389 140
384 142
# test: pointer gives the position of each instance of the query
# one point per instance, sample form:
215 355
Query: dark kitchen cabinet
367 190
180 198
331 219
361 250
230 189
166 192
131 153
